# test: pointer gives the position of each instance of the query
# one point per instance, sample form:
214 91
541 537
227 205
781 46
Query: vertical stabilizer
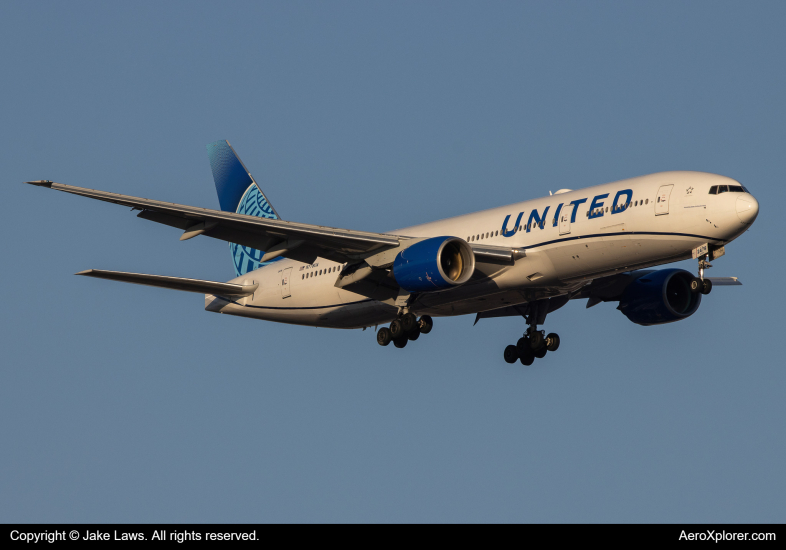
238 192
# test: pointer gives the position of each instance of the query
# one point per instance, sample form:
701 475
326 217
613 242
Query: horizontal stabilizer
724 281
174 283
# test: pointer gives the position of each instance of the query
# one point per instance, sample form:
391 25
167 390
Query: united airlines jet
523 260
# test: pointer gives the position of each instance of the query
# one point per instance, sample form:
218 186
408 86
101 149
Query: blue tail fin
238 192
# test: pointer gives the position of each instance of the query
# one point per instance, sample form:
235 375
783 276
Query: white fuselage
588 239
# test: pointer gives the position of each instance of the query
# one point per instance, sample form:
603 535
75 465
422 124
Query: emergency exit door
286 279
662 200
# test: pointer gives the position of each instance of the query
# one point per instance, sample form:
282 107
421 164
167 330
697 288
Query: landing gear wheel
425 324
400 342
552 342
536 340
696 285
409 322
706 286
527 358
384 337
396 330
525 351
540 353
413 334
511 354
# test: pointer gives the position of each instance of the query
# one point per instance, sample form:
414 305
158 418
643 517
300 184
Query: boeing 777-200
522 260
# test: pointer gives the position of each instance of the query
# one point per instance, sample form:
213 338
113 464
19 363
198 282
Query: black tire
413 334
409 322
540 353
384 337
706 286
695 285
425 324
400 342
536 340
511 354
525 351
396 330
552 342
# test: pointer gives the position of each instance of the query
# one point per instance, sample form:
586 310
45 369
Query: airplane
522 260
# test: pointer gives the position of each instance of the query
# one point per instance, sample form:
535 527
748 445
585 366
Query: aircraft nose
747 209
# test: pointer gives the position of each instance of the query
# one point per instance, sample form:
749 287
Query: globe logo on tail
255 204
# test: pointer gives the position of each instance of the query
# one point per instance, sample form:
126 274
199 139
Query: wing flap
173 283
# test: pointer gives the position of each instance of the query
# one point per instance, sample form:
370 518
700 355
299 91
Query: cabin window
647 201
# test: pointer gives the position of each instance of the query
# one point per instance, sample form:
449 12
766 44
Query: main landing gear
405 328
533 345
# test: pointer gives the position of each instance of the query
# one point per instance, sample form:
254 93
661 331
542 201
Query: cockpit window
718 189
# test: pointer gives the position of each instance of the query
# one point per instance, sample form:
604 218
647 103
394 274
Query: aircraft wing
173 283
299 241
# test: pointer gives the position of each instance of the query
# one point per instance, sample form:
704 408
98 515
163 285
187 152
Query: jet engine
659 297
434 264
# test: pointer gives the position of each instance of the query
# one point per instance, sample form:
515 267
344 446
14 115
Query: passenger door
564 221
286 279
662 200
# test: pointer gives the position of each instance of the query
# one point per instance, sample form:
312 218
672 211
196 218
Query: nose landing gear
700 284
405 328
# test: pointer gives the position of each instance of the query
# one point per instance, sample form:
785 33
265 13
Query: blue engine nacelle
659 297
433 264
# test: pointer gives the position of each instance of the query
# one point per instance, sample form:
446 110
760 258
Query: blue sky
125 403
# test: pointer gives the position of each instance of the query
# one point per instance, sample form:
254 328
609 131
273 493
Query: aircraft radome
522 260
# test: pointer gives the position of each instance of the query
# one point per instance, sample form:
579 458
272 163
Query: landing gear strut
700 284
533 345
403 329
